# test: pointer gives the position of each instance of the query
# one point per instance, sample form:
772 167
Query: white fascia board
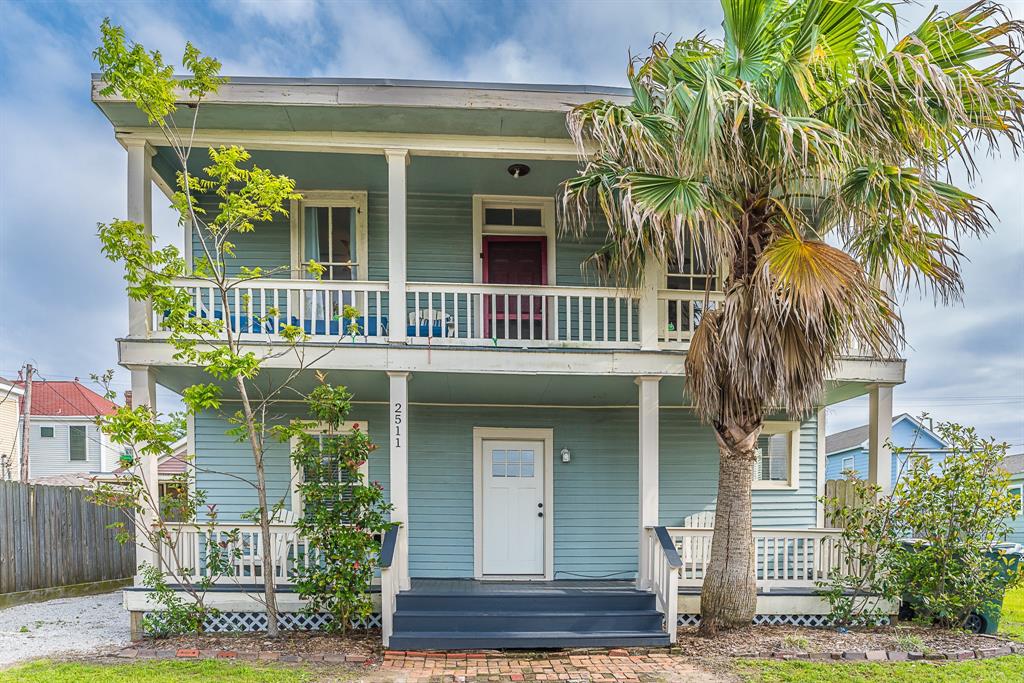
13 389
419 144
477 360
438 96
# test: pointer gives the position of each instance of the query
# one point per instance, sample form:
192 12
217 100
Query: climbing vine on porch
343 515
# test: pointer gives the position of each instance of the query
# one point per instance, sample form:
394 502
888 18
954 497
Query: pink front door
515 261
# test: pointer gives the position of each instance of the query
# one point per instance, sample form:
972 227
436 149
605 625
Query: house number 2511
398 425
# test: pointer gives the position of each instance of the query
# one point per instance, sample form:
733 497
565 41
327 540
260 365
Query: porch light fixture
566 455
518 170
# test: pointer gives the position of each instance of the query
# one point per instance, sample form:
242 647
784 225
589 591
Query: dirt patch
757 640
365 643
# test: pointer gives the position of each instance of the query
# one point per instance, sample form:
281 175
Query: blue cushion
338 328
425 331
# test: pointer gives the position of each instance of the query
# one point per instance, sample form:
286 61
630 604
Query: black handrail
387 547
669 548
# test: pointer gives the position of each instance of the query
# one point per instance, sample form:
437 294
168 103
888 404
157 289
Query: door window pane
513 463
527 464
498 464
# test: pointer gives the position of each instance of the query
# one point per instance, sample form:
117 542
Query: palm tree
807 152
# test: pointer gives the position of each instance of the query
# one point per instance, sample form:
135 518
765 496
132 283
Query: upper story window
76 442
46 432
331 230
848 465
778 456
1017 492
692 270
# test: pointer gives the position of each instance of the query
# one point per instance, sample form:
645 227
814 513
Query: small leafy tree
931 539
243 195
343 515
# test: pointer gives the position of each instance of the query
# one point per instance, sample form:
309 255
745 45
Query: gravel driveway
89 625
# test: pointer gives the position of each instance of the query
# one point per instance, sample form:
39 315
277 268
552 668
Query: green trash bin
985 619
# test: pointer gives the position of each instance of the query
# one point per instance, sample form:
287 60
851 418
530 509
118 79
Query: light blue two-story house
848 450
534 436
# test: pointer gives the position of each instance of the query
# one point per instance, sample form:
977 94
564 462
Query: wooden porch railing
523 315
663 564
261 307
785 558
680 311
185 551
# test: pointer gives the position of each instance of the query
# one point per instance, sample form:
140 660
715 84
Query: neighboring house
532 429
65 443
1014 464
10 430
169 469
848 449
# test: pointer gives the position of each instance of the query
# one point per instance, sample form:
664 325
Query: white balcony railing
794 558
450 313
680 311
522 315
263 306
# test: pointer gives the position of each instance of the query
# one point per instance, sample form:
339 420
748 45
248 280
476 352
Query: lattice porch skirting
248 622
810 620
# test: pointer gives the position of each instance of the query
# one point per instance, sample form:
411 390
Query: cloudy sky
61 171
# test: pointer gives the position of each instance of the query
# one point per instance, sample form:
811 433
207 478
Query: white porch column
879 433
648 470
398 159
398 447
144 394
648 307
140 210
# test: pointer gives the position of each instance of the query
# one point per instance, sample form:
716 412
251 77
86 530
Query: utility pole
26 421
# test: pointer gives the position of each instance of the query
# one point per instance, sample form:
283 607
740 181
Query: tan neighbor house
10 433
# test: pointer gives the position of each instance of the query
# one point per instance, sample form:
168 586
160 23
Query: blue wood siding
268 246
595 495
221 460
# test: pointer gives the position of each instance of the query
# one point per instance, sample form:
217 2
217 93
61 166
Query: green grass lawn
1012 622
1003 669
152 672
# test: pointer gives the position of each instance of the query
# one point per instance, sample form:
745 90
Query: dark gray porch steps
545 616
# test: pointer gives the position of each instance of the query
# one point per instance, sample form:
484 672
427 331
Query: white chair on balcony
431 317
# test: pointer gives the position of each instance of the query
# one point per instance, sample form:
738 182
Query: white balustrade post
648 306
398 447
648 469
398 159
144 394
879 433
140 210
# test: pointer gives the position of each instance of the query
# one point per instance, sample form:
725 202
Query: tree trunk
728 598
266 543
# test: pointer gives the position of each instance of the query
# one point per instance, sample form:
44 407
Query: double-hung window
849 465
778 456
76 442
333 468
689 270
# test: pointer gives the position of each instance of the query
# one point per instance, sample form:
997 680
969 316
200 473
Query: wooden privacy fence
843 491
52 536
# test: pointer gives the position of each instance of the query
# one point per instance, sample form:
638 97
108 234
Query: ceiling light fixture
518 170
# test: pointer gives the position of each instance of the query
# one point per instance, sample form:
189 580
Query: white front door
513 508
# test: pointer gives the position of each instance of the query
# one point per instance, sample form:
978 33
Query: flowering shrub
343 516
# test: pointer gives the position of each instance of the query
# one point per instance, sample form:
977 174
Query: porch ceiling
476 388
369 172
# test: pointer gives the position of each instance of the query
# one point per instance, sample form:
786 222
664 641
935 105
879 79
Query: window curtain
312 235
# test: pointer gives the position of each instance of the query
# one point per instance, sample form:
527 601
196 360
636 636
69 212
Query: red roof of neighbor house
65 399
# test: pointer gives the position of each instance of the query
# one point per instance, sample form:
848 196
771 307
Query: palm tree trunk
728 598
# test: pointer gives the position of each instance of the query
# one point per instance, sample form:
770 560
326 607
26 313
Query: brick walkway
614 665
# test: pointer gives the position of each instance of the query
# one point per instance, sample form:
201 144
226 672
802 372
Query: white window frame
1019 488
719 275
53 432
547 436
330 199
296 473
500 201
853 464
792 482
85 443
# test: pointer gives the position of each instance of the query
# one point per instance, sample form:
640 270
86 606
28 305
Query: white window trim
329 198
853 464
500 201
792 428
85 441
1019 489
296 474
547 436
53 432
